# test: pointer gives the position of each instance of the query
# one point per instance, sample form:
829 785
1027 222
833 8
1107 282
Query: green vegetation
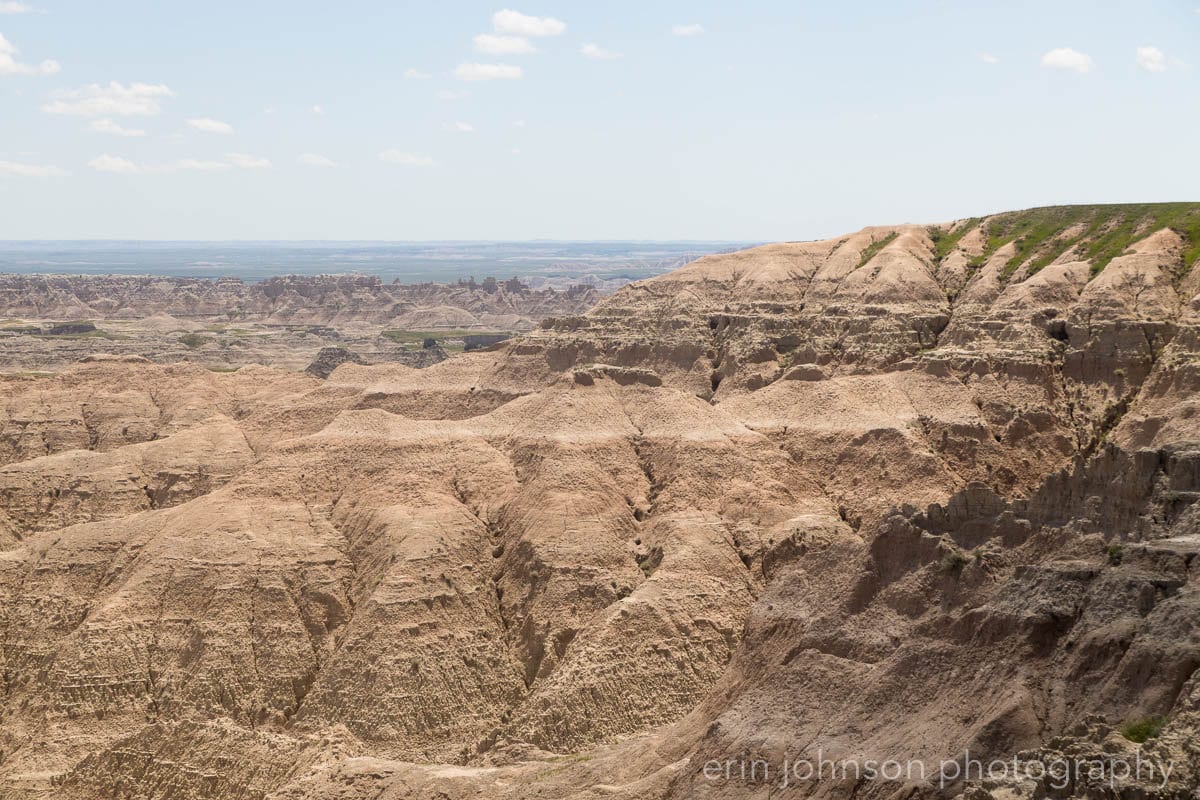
945 242
96 334
419 337
194 340
953 561
873 248
1141 730
1116 554
1101 233
427 339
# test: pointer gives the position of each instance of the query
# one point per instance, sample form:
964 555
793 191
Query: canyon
905 494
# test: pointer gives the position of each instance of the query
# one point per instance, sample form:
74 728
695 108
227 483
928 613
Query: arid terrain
48 322
907 493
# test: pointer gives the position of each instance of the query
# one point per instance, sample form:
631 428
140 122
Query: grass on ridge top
1108 231
872 250
945 242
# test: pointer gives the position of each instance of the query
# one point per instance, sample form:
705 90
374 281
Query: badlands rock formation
52 321
299 299
897 495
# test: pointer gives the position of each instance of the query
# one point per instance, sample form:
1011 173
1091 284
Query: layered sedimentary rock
899 495
299 299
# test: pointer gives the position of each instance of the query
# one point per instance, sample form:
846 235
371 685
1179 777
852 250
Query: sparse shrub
194 340
1142 730
954 561
1116 554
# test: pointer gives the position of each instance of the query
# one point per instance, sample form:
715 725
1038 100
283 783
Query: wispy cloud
450 95
487 72
498 45
405 159
210 125
197 165
414 74
460 127
107 125
10 66
107 163
693 29
314 160
113 100
1151 59
13 7
317 111
988 58
243 161
518 24
1064 58
598 53
21 170
117 164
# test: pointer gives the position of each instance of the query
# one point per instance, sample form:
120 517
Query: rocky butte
912 492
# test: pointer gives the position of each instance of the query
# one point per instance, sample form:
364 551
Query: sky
530 119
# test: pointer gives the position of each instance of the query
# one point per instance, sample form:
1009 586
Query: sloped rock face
901 495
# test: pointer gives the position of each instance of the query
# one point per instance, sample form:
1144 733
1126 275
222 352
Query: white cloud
495 45
108 126
414 74
107 163
209 125
518 24
487 72
317 111
460 127
114 100
988 58
10 66
1065 58
314 160
518 123
598 53
450 95
195 165
13 7
1151 59
405 159
31 170
243 161
694 29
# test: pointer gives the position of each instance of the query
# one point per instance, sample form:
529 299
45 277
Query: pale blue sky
769 120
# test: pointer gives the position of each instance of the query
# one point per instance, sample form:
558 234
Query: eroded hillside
913 491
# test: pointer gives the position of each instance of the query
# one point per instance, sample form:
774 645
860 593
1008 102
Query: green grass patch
194 340
1142 730
1104 233
97 334
872 250
411 337
946 242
